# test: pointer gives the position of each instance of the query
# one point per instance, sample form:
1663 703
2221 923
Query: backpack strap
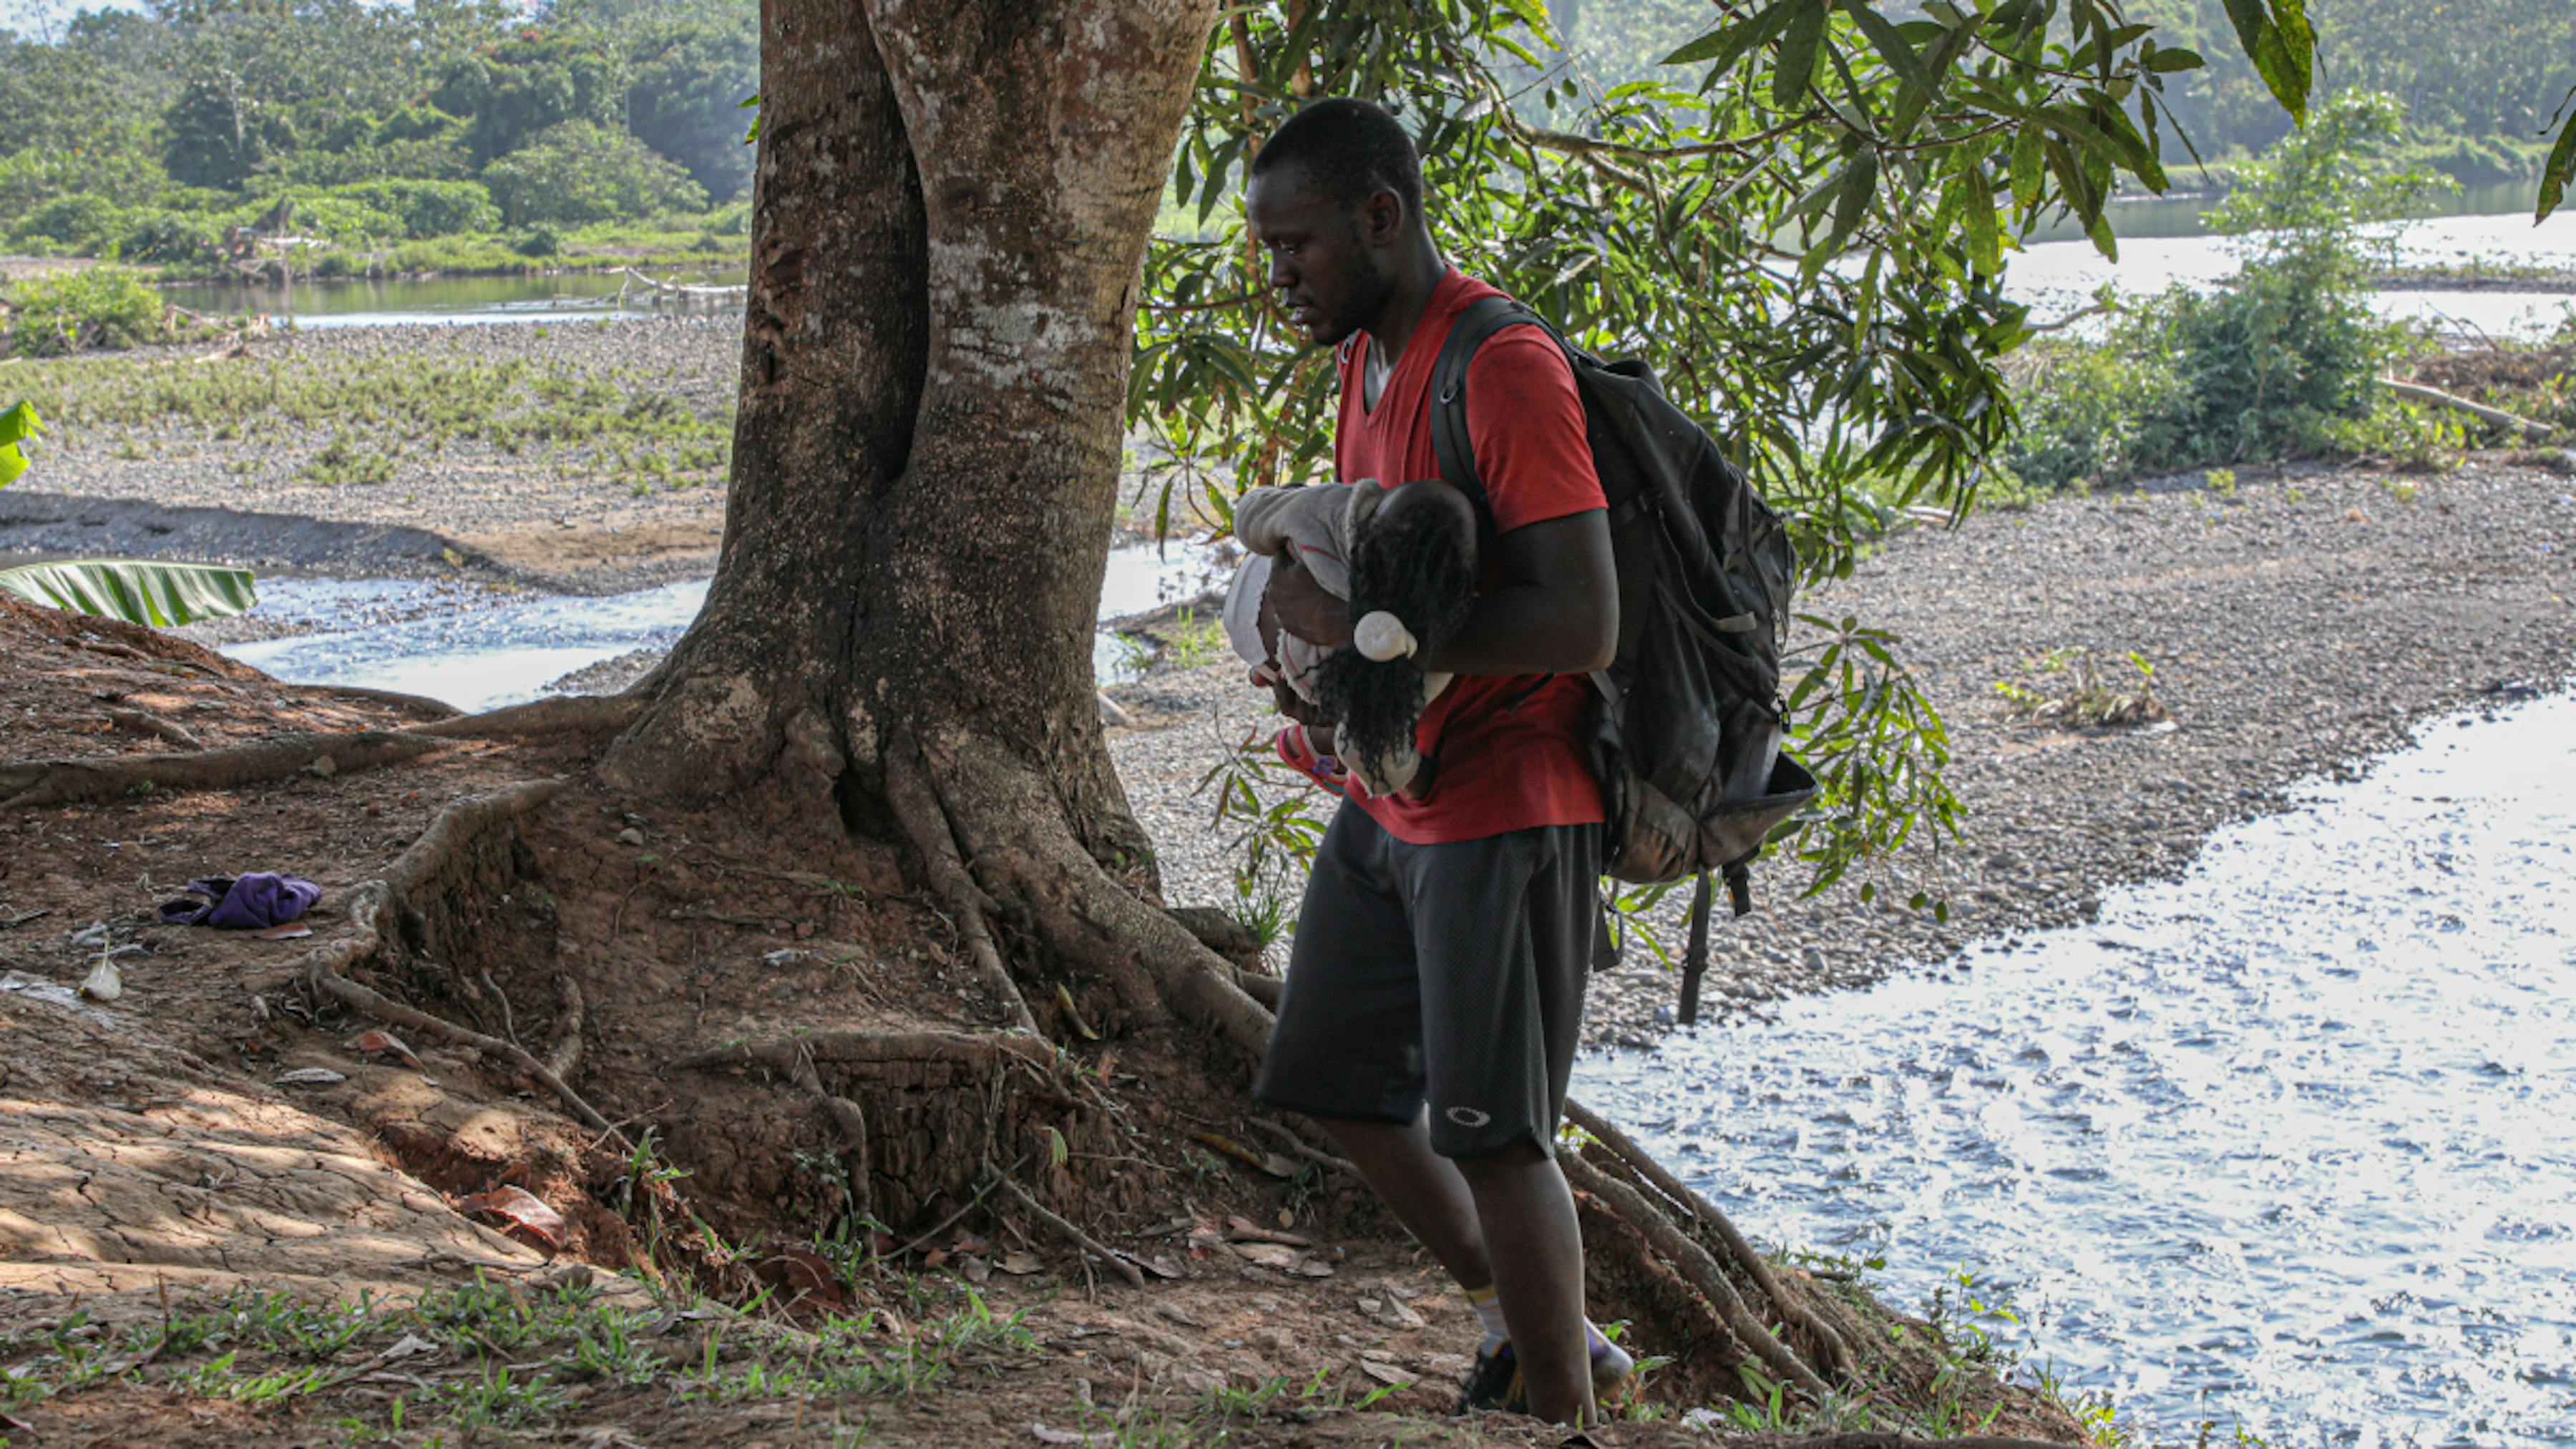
1450 443
1477 321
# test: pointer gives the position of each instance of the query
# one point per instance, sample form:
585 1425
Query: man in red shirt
1435 991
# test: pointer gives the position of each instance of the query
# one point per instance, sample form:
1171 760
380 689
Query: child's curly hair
1414 564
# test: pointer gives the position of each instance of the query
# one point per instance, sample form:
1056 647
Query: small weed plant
2072 691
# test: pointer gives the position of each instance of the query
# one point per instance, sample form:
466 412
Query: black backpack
1687 722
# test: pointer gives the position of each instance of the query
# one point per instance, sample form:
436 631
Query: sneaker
1611 1366
1495 1383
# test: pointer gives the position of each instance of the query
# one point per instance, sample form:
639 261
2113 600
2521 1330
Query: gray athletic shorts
1448 973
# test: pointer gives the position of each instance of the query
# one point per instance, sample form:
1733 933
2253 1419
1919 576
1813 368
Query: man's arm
1556 610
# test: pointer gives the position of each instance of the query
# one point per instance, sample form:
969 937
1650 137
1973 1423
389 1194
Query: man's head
1336 201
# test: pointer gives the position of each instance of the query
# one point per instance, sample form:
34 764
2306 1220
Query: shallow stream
477 647
2289 1142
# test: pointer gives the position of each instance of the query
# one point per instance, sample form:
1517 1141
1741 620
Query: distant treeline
2478 78
166 136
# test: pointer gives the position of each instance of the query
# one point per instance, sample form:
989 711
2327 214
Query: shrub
174 238
426 209
97 307
2272 362
577 172
87 226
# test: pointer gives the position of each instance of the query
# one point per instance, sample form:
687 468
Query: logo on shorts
1468 1117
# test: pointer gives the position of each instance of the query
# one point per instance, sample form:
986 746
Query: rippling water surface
2290 1142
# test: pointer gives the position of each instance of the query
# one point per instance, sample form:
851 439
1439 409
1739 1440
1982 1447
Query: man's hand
1305 608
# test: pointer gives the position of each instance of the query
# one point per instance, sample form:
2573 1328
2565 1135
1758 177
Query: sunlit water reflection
2291 1141
477 647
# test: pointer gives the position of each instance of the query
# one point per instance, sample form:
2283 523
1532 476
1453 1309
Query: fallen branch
1696 1267
1117 1261
2418 392
1620 1145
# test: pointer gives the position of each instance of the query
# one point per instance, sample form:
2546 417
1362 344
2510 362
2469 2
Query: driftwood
2418 392
710 295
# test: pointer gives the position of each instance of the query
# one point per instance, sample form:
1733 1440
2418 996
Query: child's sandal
1298 752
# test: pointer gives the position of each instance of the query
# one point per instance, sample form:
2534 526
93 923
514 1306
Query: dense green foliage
1801 221
2268 364
169 137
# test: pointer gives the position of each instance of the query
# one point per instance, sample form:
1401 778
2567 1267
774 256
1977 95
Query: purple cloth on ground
245 903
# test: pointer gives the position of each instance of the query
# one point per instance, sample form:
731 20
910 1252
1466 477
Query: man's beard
1364 295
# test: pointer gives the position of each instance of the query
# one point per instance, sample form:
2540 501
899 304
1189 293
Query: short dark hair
1347 149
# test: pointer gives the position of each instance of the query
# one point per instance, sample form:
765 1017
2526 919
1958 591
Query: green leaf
2561 169
1728 44
138 591
2098 228
2278 39
1890 45
2173 58
17 425
1851 199
1806 35
1985 244
2029 156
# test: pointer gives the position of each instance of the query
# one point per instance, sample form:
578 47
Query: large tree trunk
950 215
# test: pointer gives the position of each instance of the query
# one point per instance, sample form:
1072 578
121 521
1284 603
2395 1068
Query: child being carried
1405 560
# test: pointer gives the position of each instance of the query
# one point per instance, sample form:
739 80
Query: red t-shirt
1508 749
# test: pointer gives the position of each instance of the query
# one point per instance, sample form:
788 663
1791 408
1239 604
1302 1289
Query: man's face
1331 265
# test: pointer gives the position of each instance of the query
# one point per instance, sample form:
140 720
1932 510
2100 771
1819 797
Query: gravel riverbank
565 497
2297 626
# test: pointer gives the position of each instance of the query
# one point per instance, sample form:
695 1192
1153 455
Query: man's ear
1382 217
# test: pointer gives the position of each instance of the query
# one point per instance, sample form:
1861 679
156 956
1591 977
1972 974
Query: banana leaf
135 590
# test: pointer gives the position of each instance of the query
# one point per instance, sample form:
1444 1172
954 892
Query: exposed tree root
419 704
80 782
578 714
1837 1354
232 767
986 1052
1298 1145
385 919
1695 1266
1903 1441
849 1122
152 726
1117 1262
565 1055
916 805
1027 858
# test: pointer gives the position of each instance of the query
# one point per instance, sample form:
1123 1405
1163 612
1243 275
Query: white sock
1488 1303
1609 1360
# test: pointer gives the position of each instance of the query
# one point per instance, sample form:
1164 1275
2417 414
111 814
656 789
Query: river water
2290 1142
478 647
2161 243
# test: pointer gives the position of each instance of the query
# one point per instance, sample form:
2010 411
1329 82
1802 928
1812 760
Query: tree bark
949 222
